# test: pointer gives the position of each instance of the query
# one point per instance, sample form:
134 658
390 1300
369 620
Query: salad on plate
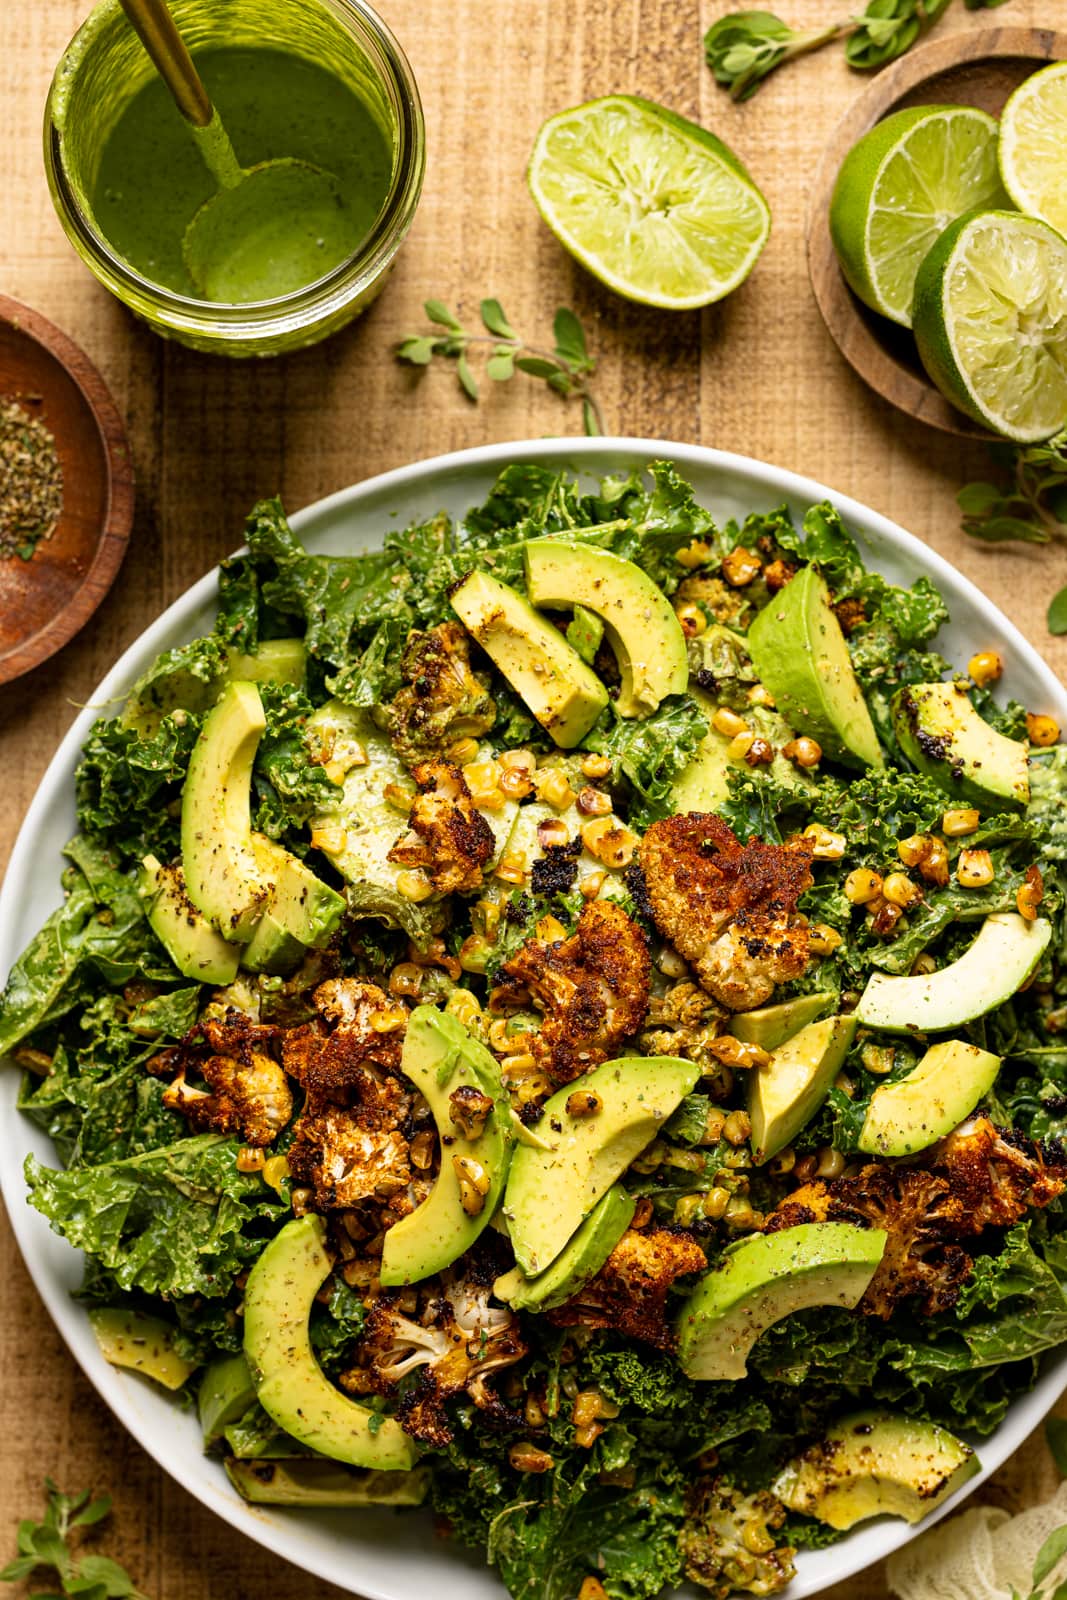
561 1019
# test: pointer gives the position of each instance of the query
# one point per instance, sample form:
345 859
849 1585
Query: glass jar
103 68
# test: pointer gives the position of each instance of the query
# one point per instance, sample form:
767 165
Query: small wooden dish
44 601
978 68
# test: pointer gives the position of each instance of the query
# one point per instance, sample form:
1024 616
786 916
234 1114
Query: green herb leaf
570 339
1051 1553
495 320
501 366
466 378
536 366
438 312
416 349
1057 612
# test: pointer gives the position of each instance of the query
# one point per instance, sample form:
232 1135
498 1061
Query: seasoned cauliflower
728 1541
593 989
629 1293
243 1088
442 699
728 908
452 840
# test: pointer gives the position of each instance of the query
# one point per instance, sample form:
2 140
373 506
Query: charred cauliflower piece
593 989
997 1175
728 908
452 840
728 1541
458 1341
629 1293
243 1089
442 699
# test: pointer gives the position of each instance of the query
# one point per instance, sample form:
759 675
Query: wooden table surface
756 375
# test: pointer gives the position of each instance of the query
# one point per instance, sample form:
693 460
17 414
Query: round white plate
376 1554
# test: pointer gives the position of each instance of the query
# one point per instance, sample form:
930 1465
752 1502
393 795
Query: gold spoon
271 228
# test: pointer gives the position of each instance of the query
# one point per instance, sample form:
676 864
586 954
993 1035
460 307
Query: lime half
899 187
655 206
991 322
1033 145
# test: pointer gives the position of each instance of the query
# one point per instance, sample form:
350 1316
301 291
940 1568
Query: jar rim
324 296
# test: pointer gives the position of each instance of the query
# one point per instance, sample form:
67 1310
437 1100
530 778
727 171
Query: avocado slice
551 1192
989 971
943 736
303 911
764 1278
914 1112
578 1261
290 1385
564 694
704 784
222 875
584 633
307 1481
272 948
874 1464
440 1057
639 620
226 1393
197 949
145 1344
802 658
770 1026
785 1095
275 661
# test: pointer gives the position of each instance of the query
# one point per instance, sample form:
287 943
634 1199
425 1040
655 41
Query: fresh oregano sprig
44 1547
745 47
1031 507
566 368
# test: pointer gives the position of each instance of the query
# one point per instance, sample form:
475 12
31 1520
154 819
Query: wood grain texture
979 68
757 374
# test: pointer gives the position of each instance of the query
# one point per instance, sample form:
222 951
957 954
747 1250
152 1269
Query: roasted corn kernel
974 869
986 667
691 619
823 940
741 567
728 723
473 1184
824 843
961 820
803 752
1042 731
899 890
862 886
594 766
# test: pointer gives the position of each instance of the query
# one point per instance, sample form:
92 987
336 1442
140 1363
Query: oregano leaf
495 320
1057 623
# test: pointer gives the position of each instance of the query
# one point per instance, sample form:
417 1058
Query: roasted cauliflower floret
442 699
242 1090
593 989
728 908
723 1531
458 1341
354 1043
997 1175
452 841
629 1293
345 1161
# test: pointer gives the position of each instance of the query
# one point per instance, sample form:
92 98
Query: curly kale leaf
651 752
337 1326
662 521
288 787
128 787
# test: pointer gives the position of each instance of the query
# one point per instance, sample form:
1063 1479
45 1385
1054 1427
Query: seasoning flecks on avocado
943 736
913 1112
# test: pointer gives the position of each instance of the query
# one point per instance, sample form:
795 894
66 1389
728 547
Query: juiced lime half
1033 145
991 322
655 206
899 187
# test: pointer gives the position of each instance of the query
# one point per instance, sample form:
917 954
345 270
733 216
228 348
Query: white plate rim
309 1540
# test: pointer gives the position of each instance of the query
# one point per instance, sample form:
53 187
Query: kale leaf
651 752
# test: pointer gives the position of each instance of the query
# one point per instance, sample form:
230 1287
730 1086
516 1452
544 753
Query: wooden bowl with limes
979 68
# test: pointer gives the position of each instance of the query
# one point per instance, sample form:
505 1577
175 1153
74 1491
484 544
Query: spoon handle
157 31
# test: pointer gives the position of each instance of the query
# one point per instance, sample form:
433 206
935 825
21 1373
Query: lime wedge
655 206
1033 145
991 322
901 186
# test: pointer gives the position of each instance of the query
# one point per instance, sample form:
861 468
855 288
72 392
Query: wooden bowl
44 601
978 68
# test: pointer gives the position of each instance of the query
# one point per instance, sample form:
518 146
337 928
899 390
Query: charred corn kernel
964 819
591 885
584 1103
760 752
474 953
985 667
783 1163
803 752
862 886
714 1123
823 940
845 1084
553 787
756 1537
398 797
498 1034
550 930
878 1058
249 1159
697 553
593 802
511 868
528 1458
518 760
737 1127
590 1406
533 1412
515 784
274 1172
592 1588
734 1053
1030 894
485 918
406 980
642 1213
609 841
388 1019
335 771
691 619
739 1213
915 849
473 1184
824 843
1042 731
462 751
759 696
587 1436
829 1163
671 964
922 965
884 920
332 839
39 1062
483 780
413 885
464 1006
741 566
974 869
740 745
715 1202
421 1150
552 833
728 723
899 890
469 1109
301 1200
687 1210
595 766
934 868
